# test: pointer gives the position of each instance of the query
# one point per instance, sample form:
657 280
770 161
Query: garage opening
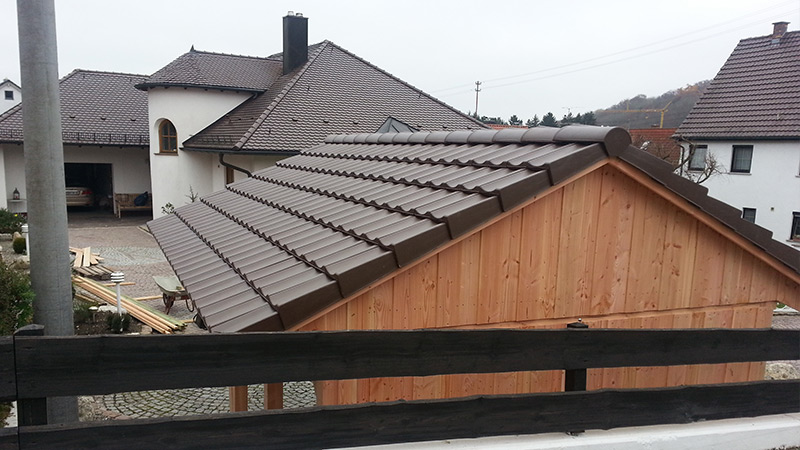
89 185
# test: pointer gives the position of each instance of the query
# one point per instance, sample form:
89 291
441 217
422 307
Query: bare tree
688 159
696 163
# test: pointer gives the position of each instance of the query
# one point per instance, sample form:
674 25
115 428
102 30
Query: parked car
79 195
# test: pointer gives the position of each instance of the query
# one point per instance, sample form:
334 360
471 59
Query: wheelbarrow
171 290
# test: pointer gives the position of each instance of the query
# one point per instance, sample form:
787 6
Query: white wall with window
174 173
761 178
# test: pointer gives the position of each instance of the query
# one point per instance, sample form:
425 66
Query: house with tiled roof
10 95
658 142
104 132
516 228
748 121
215 118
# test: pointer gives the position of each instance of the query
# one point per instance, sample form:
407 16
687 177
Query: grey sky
579 55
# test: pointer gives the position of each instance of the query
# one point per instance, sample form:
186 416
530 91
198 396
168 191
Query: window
749 214
698 161
742 156
9 95
795 226
167 137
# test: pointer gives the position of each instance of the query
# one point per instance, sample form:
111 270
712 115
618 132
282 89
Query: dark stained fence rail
372 424
59 366
56 366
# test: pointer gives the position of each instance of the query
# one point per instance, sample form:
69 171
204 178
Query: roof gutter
231 166
285 153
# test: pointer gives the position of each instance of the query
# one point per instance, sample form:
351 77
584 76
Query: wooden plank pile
154 319
89 264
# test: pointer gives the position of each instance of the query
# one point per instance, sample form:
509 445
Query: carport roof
273 250
97 108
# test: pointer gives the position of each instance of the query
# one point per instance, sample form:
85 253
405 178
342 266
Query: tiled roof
658 142
334 92
270 251
217 70
100 108
755 95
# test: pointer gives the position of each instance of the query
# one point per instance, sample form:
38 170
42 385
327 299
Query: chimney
779 29
295 41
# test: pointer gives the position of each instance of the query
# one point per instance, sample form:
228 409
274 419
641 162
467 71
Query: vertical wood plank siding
602 247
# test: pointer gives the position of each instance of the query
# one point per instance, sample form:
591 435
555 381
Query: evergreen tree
531 123
514 120
549 120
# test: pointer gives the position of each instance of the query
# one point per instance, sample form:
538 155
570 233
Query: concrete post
44 180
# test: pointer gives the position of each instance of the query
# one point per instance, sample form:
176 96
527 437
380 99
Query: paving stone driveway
129 249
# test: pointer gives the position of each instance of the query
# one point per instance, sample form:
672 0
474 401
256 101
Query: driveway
127 247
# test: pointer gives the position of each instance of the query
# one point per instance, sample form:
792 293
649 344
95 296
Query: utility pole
44 181
477 90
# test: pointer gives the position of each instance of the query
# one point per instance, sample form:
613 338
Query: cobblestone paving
196 401
127 248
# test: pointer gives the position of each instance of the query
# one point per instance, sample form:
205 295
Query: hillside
679 101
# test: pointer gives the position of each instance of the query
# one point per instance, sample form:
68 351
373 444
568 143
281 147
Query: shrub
119 323
10 222
19 245
16 299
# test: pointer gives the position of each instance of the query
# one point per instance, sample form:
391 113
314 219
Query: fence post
575 379
31 411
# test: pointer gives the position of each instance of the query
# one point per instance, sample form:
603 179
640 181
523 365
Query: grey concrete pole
44 181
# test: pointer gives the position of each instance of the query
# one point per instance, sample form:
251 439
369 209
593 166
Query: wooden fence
35 367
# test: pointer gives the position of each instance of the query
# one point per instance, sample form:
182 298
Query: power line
461 88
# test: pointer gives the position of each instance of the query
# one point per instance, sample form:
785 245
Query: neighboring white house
748 120
10 95
215 117
104 130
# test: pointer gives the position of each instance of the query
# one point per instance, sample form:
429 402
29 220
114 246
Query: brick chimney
295 41
779 29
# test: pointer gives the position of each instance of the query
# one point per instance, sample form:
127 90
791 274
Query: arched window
167 137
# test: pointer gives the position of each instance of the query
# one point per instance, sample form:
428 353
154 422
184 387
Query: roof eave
148 86
229 151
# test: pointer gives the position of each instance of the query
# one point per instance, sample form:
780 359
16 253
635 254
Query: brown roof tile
334 92
322 225
97 108
755 95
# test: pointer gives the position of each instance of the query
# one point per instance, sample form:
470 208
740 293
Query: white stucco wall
5 105
190 110
129 167
13 173
772 187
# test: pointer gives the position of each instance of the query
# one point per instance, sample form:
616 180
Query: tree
514 120
696 163
567 119
549 120
531 123
493 120
588 118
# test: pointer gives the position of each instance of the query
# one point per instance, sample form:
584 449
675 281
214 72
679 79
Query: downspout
229 165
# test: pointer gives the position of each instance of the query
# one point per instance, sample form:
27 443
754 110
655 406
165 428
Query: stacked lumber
154 319
89 264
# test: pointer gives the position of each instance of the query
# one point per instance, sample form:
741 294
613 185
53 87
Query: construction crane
626 110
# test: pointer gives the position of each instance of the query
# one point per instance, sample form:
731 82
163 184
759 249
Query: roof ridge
280 96
410 86
769 36
233 55
102 72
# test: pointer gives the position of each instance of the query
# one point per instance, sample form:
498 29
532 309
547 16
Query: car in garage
78 194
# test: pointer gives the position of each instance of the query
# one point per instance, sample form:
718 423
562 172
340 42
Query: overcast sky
531 56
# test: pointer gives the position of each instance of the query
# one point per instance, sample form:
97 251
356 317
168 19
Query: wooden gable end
601 247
